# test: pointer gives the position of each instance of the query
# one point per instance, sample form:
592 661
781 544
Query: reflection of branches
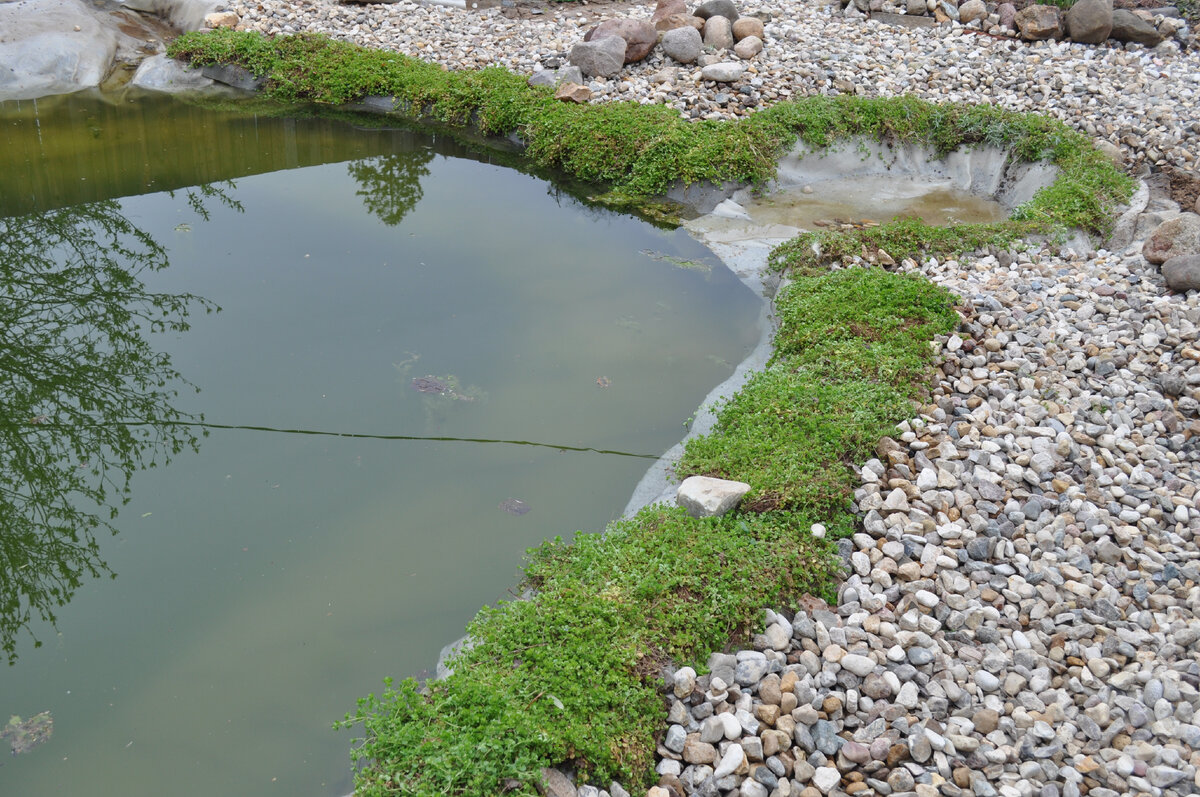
74 366
198 193
390 185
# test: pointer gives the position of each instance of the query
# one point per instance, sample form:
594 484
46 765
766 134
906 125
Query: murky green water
267 580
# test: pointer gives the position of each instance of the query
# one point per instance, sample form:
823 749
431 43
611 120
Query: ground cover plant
572 673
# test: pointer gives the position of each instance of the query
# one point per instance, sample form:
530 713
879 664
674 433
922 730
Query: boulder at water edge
682 44
1174 237
602 57
183 14
1090 21
52 47
1039 22
1182 272
640 36
160 73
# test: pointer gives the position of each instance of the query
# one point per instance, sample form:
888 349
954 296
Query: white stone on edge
704 496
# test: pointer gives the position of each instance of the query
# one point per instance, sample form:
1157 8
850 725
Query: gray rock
556 77
53 47
1182 272
751 671
675 738
1129 27
718 33
160 73
724 72
599 57
824 734
1089 21
861 666
717 8
234 76
748 47
1007 13
683 44
556 784
704 496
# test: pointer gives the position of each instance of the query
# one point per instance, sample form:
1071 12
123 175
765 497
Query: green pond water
267 579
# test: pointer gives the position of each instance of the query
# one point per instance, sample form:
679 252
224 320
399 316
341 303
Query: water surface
271 578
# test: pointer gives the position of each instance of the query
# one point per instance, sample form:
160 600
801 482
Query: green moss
851 354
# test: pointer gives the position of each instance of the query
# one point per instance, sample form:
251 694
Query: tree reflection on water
390 185
85 400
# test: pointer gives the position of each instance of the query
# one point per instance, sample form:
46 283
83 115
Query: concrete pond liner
741 225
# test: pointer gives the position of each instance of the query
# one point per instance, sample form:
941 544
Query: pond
418 364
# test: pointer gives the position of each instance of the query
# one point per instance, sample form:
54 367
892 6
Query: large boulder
53 47
639 35
1007 13
1172 238
601 57
718 8
1039 22
1129 27
683 44
160 73
1182 272
748 26
1090 21
184 14
748 47
972 10
718 33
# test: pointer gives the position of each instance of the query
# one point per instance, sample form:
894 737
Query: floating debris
514 506
24 735
603 381
430 384
844 224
